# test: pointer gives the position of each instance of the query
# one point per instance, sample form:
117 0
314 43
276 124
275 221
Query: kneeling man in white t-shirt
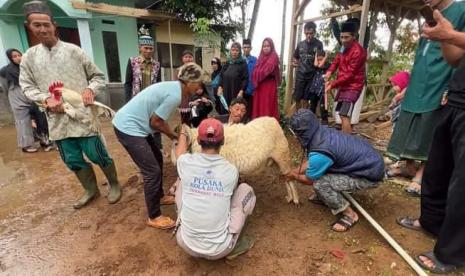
212 207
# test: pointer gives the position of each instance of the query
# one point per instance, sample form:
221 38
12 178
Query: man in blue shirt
251 61
336 162
134 124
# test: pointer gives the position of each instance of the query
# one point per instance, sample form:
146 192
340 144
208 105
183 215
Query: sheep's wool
250 146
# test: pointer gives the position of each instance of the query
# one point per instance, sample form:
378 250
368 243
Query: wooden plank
383 125
122 11
331 15
300 9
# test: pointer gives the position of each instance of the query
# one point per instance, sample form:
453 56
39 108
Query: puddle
6 173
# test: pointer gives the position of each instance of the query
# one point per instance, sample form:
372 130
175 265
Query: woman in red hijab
266 79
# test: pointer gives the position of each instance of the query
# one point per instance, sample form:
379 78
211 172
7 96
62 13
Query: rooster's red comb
54 86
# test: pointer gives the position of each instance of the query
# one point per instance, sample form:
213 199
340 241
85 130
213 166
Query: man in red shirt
350 63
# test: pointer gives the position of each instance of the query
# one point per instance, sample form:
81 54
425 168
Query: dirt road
41 234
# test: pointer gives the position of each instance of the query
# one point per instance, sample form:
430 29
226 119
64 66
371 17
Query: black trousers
443 187
149 159
41 132
316 100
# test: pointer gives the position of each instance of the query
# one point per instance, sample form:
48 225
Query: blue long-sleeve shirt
251 61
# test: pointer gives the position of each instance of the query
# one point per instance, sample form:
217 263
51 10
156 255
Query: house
108 32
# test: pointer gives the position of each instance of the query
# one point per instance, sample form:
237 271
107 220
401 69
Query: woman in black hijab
215 77
22 107
234 76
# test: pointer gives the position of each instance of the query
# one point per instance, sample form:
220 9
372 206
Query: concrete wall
126 33
182 34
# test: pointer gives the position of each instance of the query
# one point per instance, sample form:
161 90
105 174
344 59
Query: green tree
209 17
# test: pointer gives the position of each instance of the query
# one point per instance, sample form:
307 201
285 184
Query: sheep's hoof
289 199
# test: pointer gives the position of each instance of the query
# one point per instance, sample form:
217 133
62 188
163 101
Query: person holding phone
413 133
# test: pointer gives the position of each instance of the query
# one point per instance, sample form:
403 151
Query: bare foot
427 261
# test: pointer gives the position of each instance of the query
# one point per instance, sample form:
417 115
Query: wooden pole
300 8
363 25
290 68
364 20
171 50
386 236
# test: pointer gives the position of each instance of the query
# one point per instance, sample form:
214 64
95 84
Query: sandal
167 200
346 222
313 198
30 149
413 191
162 222
244 244
439 267
408 223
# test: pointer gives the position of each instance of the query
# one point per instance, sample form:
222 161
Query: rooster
74 106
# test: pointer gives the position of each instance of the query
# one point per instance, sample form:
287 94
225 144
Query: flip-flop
408 222
30 150
346 222
244 244
439 267
416 192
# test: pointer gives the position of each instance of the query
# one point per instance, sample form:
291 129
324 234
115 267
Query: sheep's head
55 89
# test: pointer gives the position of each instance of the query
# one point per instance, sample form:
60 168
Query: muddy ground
41 234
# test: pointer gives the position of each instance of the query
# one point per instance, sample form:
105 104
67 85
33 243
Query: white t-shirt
208 183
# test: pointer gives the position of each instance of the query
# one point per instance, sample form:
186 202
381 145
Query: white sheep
253 146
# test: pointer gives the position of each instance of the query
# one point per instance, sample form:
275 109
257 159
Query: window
110 46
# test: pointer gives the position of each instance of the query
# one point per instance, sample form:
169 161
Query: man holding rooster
54 60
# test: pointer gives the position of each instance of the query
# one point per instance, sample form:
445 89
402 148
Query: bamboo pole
413 264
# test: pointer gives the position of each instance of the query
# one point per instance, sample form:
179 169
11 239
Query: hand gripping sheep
253 146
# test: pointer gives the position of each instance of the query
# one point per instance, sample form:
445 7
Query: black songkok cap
349 27
36 6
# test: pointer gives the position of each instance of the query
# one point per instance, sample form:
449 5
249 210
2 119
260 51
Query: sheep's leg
295 194
289 197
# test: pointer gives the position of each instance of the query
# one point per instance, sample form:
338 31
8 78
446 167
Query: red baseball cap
211 130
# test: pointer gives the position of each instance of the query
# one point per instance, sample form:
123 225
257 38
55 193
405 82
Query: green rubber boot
114 194
89 183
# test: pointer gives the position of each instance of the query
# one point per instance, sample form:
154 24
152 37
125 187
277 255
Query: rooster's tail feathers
107 111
